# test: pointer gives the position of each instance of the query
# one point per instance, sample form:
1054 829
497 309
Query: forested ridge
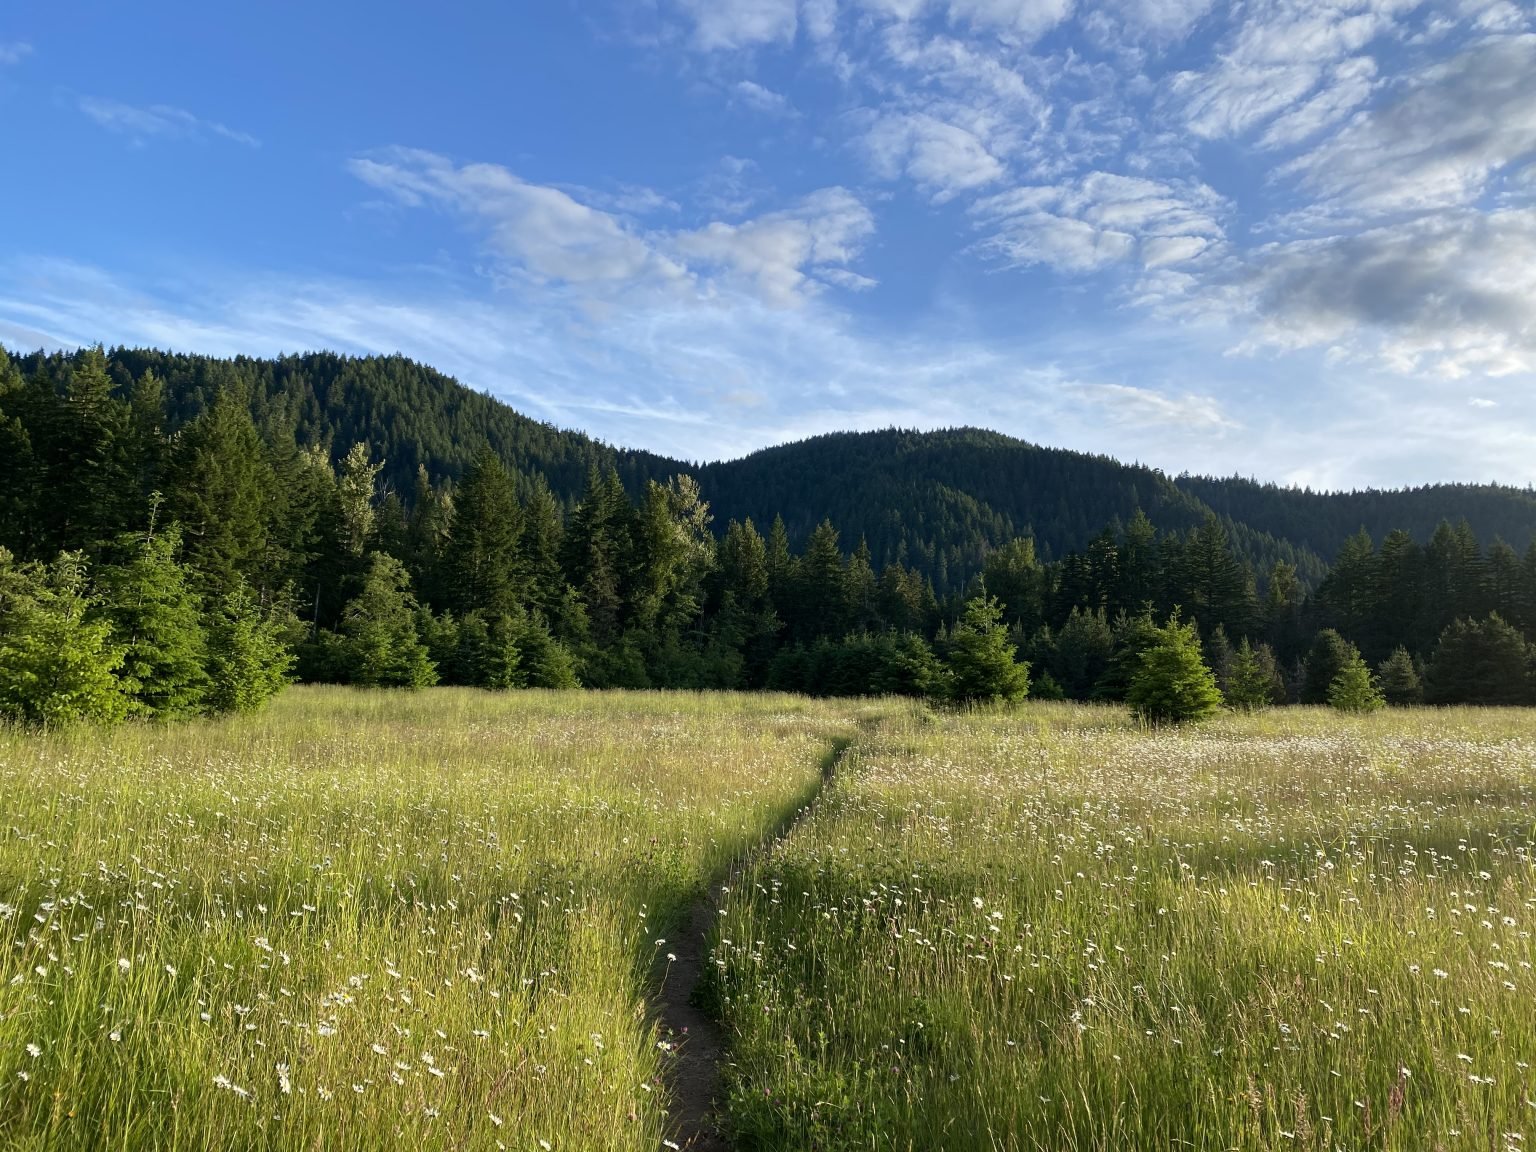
181 534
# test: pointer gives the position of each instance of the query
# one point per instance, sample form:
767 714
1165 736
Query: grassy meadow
370 920
1052 930
439 920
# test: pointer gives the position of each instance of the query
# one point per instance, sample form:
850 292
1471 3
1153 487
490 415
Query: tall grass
1052 930
369 920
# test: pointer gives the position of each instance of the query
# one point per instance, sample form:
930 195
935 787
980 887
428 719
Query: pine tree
58 664
1354 688
157 619
1399 679
980 657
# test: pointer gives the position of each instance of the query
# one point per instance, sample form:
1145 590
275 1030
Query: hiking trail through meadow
693 1076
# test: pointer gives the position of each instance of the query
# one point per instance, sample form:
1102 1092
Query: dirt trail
693 1073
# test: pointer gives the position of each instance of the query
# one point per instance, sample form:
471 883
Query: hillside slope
936 500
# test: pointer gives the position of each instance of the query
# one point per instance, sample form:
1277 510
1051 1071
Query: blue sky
1285 238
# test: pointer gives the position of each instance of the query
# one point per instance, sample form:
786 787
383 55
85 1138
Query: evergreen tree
221 493
1173 684
1354 689
1479 662
599 558
542 536
1399 679
482 557
1252 680
1132 635
1013 574
249 661
1220 657
1138 573
58 663
157 620
1329 654
1083 646
379 645
356 489
820 604
980 657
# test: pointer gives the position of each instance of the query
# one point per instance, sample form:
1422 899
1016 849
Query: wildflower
977 902
284 1085
495 1119
123 963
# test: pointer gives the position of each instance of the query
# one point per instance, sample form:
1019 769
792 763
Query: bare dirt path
693 1075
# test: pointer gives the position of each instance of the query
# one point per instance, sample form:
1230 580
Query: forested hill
937 501
1321 521
409 415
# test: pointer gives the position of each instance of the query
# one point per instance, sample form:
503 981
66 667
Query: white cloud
1146 407
1438 140
157 121
942 159
782 255
730 24
1280 54
542 231
1101 220
1452 295
1029 19
1347 85
549 236
14 52
753 95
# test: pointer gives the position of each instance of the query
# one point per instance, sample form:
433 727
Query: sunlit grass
1053 930
369 919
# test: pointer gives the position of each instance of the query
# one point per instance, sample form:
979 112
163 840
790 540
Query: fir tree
1251 682
1329 654
249 660
221 495
58 663
482 561
1399 679
379 645
1173 684
1354 688
157 619
980 657
1479 662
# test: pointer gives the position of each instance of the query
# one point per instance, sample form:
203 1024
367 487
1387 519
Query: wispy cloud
157 122
14 51
549 236
674 379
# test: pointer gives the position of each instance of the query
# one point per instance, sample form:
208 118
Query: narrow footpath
693 1074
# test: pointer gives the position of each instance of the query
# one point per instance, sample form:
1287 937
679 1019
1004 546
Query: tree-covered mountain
177 532
937 502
